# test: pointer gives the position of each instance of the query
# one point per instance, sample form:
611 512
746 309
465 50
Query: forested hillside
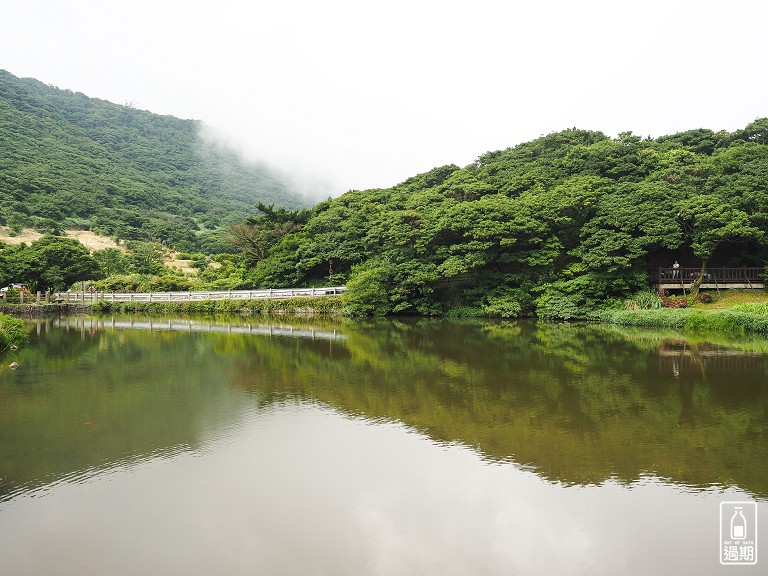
554 227
69 161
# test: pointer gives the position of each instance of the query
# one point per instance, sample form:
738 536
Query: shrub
464 312
367 294
674 302
644 300
705 297
503 307
11 331
169 283
559 306
118 284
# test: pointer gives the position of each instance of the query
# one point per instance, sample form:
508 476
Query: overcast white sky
359 94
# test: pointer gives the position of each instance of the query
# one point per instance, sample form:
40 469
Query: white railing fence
272 293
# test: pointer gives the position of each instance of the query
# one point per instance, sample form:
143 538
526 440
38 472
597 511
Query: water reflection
226 326
578 404
677 356
204 446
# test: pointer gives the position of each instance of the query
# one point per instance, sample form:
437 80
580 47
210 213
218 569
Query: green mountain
554 227
70 161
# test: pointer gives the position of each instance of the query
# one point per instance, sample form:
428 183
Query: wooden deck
714 278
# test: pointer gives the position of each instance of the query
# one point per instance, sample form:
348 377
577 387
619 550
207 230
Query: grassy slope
729 298
734 311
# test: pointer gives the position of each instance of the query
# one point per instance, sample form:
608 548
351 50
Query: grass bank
727 311
321 306
690 319
728 299
12 332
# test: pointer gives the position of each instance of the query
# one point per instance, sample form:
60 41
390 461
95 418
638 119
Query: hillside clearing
90 240
26 236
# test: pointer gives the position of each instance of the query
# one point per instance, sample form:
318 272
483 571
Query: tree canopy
49 263
553 227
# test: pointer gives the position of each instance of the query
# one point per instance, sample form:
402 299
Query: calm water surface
131 445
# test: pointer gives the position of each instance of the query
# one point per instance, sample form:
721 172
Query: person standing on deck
675 269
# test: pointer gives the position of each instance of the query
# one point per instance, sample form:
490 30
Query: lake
135 445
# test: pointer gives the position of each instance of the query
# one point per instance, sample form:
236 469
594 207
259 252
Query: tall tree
257 234
57 263
710 220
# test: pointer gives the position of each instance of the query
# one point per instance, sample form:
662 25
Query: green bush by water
12 331
644 300
367 294
503 306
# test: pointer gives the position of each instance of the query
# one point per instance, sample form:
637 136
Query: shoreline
685 319
300 307
690 320
44 310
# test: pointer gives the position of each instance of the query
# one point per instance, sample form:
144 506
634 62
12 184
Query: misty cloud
343 94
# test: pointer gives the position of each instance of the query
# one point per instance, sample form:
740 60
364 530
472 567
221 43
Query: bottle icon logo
738 533
738 525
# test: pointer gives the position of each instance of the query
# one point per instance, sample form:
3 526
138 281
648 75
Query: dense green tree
146 258
711 220
257 234
14 262
112 261
55 263
554 227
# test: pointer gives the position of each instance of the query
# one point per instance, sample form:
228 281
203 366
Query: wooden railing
273 293
721 276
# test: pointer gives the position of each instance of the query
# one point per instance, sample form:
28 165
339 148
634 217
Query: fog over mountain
343 94
70 161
